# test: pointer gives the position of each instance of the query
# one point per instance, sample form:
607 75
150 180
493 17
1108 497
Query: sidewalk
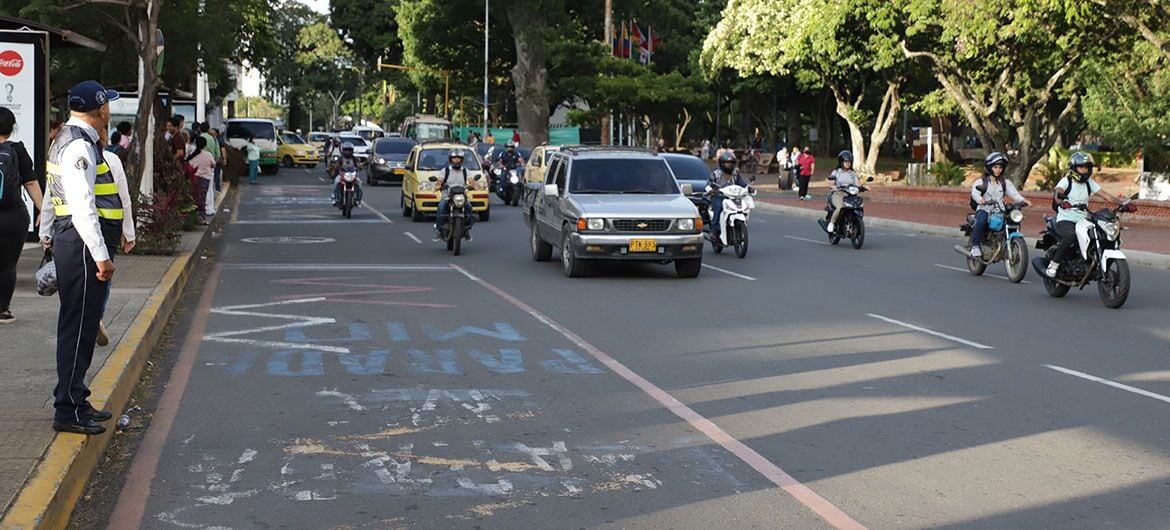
1141 236
144 291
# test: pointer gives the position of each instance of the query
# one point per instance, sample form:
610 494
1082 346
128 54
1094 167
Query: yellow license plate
643 245
399 171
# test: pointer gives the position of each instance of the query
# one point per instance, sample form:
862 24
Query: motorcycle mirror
869 179
687 189
433 179
475 178
1134 197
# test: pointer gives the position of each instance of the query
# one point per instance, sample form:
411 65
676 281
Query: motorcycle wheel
347 205
1054 288
456 240
976 266
1017 265
834 239
858 238
1114 286
741 239
716 244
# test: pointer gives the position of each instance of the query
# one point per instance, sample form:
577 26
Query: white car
361 148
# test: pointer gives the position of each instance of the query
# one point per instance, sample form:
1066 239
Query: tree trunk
530 75
865 154
792 116
141 154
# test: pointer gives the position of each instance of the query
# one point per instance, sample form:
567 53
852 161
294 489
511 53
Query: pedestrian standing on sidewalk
252 155
213 148
88 223
807 164
15 173
705 151
203 163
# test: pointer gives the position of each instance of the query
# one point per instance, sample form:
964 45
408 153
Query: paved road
362 377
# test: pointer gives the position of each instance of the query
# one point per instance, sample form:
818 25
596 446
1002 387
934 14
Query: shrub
160 221
948 173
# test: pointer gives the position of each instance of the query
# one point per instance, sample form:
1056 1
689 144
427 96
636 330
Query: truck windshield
622 175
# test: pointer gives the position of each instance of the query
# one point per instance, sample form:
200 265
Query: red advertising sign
11 63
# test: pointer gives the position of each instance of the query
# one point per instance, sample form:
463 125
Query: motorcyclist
454 175
346 162
510 159
332 155
1072 191
996 187
726 174
841 178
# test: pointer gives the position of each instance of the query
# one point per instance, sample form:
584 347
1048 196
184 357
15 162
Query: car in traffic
537 161
688 169
361 148
388 161
368 132
292 150
612 204
318 139
264 132
426 127
420 196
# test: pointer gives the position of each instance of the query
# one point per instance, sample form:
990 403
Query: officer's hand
127 245
105 270
46 243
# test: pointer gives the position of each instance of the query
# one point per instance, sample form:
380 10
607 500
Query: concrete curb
1137 257
49 495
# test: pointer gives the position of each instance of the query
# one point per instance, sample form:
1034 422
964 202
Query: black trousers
13 229
1067 230
802 184
83 299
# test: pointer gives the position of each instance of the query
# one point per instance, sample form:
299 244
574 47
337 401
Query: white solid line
825 243
1113 384
332 267
960 269
30 246
801 493
725 271
322 179
973 344
378 213
413 237
303 221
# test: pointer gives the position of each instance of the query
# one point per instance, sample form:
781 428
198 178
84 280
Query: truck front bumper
617 247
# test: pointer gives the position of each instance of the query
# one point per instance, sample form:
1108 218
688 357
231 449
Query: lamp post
486 13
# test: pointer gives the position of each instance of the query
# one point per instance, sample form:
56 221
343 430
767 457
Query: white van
368 132
240 129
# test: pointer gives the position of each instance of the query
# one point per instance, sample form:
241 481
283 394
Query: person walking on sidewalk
806 163
89 219
15 173
252 155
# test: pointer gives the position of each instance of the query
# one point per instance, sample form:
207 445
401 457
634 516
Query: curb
49 495
1137 257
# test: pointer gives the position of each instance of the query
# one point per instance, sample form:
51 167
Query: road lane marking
131 503
1113 384
803 494
952 338
960 269
378 213
725 271
806 240
413 237
304 221
333 267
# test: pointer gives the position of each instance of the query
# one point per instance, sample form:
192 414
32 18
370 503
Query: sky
320 6
251 83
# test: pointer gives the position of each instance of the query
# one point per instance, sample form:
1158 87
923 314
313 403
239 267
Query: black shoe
87 427
99 415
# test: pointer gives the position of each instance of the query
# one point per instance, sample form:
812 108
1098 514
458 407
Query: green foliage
1128 102
935 104
1051 170
948 173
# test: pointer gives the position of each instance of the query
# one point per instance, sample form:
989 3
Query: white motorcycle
1098 258
733 222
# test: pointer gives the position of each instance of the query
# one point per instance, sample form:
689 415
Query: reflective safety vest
105 190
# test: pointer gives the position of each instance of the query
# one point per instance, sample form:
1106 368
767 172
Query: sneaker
976 252
7 318
103 337
1052 269
829 228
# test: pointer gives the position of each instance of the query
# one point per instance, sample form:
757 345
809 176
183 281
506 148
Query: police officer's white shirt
78 173
48 214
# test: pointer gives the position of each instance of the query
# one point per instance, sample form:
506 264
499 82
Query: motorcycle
348 192
733 222
851 224
1003 241
1099 257
456 227
509 185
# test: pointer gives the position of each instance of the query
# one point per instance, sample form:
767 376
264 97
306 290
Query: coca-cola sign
11 63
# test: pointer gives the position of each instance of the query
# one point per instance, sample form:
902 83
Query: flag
636 35
625 42
653 39
617 43
643 39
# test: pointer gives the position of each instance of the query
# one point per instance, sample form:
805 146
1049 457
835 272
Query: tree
326 63
848 46
1128 102
370 27
1010 67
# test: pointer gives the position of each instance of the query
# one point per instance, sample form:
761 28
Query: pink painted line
803 494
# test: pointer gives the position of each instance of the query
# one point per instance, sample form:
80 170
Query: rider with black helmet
996 186
454 175
841 178
726 174
1072 191
347 162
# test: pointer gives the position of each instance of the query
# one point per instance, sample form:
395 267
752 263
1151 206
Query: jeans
444 207
1067 230
716 214
253 171
13 228
979 228
337 190
218 176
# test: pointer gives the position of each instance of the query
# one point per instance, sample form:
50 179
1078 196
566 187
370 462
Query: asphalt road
353 374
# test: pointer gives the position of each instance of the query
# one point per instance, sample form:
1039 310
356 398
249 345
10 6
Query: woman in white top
204 163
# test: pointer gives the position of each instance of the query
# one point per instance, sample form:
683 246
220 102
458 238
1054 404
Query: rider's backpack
975 205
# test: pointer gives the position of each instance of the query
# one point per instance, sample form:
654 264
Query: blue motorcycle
1003 241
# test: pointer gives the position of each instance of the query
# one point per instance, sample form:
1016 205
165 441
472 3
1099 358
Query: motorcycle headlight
379 160
1016 216
853 190
459 201
514 179
595 224
1111 229
685 225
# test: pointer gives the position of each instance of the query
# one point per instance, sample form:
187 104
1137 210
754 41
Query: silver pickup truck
611 203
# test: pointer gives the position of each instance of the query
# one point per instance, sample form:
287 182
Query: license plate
643 245
399 171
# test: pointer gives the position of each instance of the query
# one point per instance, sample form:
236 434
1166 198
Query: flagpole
607 121
486 13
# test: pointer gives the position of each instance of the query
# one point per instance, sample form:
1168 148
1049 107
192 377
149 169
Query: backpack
1071 181
9 172
975 205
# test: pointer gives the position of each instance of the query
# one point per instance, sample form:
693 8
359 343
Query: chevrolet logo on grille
642 225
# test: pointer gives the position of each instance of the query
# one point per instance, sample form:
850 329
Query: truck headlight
685 225
595 224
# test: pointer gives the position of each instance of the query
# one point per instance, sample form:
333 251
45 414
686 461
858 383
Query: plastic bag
47 276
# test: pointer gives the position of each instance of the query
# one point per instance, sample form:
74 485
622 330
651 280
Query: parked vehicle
612 204
295 151
733 221
420 198
851 223
240 129
1003 241
348 192
388 162
1098 258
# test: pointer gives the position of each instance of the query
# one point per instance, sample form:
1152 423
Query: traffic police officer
88 224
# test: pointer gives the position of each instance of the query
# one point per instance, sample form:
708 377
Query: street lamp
486 13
